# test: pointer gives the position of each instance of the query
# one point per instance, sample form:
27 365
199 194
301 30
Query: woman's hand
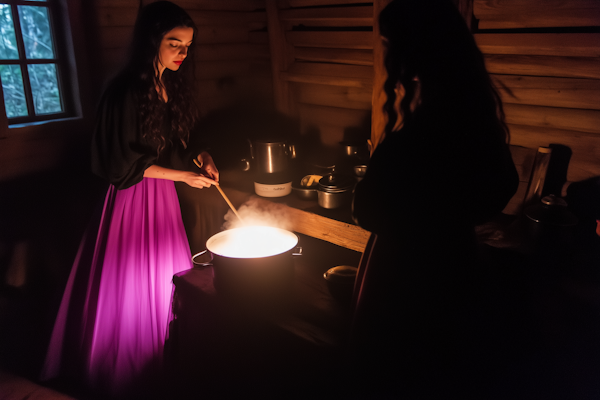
208 166
197 180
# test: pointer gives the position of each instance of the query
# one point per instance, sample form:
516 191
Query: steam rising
257 212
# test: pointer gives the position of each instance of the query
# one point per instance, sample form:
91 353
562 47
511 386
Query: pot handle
298 251
207 264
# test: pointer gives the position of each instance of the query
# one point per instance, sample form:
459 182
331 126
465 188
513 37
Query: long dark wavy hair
428 41
153 22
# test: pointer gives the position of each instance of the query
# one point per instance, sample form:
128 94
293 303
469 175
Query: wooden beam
327 80
552 117
510 14
219 69
569 67
338 16
313 3
330 74
231 51
208 34
219 5
281 58
549 91
208 17
340 56
326 39
540 44
333 70
334 96
346 235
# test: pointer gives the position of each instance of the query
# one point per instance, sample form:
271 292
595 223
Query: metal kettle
268 156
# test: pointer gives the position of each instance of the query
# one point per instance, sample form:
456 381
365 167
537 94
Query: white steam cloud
258 212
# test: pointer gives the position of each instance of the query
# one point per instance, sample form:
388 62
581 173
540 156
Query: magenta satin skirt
112 322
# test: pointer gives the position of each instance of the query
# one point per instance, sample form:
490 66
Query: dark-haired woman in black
443 167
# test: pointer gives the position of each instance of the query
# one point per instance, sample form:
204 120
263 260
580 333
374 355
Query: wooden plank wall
549 80
232 53
323 63
545 60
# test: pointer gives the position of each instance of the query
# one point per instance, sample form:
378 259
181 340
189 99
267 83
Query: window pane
8 43
35 27
44 88
14 95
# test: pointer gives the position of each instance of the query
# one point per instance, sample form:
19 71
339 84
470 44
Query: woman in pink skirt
112 322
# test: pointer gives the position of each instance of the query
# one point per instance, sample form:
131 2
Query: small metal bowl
304 192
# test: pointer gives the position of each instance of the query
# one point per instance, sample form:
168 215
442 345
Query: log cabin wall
544 57
232 50
322 62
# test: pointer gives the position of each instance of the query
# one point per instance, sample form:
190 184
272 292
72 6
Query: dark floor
42 218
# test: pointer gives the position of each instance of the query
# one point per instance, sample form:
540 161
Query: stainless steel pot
254 263
269 157
335 190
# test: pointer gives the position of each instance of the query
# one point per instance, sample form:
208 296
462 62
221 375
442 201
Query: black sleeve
413 180
119 154
389 193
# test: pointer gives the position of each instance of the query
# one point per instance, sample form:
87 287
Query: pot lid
552 210
336 182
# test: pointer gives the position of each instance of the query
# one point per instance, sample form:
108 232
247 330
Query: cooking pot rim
227 232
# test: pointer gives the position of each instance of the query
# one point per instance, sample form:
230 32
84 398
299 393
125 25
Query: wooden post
281 58
378 118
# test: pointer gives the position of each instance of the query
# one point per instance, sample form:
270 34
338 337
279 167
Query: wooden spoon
222 194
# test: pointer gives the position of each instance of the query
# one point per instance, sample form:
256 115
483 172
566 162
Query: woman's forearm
155 171
192 179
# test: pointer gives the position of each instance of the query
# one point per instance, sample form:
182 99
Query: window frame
65 72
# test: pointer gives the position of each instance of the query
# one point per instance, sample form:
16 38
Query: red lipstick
178 62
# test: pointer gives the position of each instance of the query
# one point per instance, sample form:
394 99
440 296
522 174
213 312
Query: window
31 65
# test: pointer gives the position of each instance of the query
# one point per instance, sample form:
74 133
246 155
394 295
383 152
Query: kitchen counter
204 212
